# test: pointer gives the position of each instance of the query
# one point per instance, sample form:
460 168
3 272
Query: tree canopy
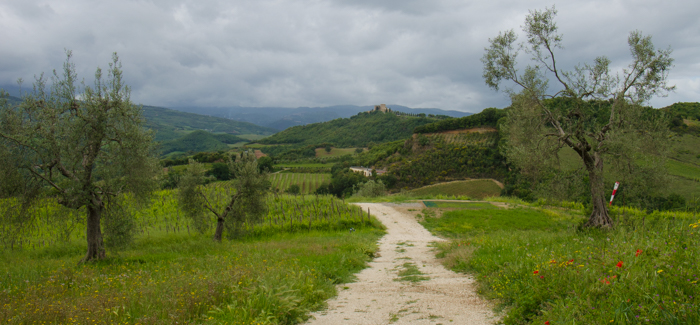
594 111
85 144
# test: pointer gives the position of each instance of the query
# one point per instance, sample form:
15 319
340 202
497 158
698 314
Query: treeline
357 131
488 117
679 112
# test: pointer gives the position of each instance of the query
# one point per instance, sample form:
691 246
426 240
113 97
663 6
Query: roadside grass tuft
410 272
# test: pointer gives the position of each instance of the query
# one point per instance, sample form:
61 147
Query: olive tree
85 144
594 111
233 203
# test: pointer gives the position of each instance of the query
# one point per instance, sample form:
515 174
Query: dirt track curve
382 296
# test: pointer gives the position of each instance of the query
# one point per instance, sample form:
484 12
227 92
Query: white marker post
617 184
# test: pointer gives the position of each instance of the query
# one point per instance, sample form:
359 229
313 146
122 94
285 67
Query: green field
685 170
476 188
460 205
304 165
539 268
686 148
308 183
257 145
279 271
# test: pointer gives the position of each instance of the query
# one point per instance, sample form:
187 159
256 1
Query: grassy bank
538 267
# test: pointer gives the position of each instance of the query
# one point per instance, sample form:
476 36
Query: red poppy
571 261
536 271
619 264
541 276
546 323
639 251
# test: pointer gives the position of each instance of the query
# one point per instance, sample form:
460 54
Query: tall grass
280 270
184 279
539 267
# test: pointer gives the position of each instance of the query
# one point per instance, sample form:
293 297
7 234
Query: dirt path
382 296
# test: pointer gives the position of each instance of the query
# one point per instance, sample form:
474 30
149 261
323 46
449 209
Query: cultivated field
464 138
308 183
476 188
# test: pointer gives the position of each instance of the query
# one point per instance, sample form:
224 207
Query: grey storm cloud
317 53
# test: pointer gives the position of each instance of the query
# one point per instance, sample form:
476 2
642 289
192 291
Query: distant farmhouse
366 171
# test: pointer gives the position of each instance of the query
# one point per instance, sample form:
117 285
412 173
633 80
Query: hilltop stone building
381 108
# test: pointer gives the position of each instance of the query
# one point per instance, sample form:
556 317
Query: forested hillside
170 124
281 118
427 159
487 117
357 131
199 141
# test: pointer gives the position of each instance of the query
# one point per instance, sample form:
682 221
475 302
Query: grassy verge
184 279
540 268
477 188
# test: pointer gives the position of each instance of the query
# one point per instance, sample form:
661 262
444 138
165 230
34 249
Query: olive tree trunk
95 246
599 217
219 229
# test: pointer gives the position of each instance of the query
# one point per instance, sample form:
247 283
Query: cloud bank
320 53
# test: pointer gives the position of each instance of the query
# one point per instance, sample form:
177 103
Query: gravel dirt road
383 293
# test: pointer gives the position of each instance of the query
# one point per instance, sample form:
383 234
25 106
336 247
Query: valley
441 231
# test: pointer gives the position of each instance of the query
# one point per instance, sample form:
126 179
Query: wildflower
541 276
619 264
546 323
659 271
536 271
639 251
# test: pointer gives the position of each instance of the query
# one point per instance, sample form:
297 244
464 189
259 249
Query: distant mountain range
280 118
171 124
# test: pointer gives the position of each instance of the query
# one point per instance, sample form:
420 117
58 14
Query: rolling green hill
171 124
357 131
199 141
443 155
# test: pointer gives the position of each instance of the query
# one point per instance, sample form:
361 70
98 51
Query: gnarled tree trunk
599 217
219 229
95 246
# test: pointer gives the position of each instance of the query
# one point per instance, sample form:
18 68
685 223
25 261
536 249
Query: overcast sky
417 53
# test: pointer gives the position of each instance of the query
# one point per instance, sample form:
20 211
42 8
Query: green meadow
539 267
276 273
